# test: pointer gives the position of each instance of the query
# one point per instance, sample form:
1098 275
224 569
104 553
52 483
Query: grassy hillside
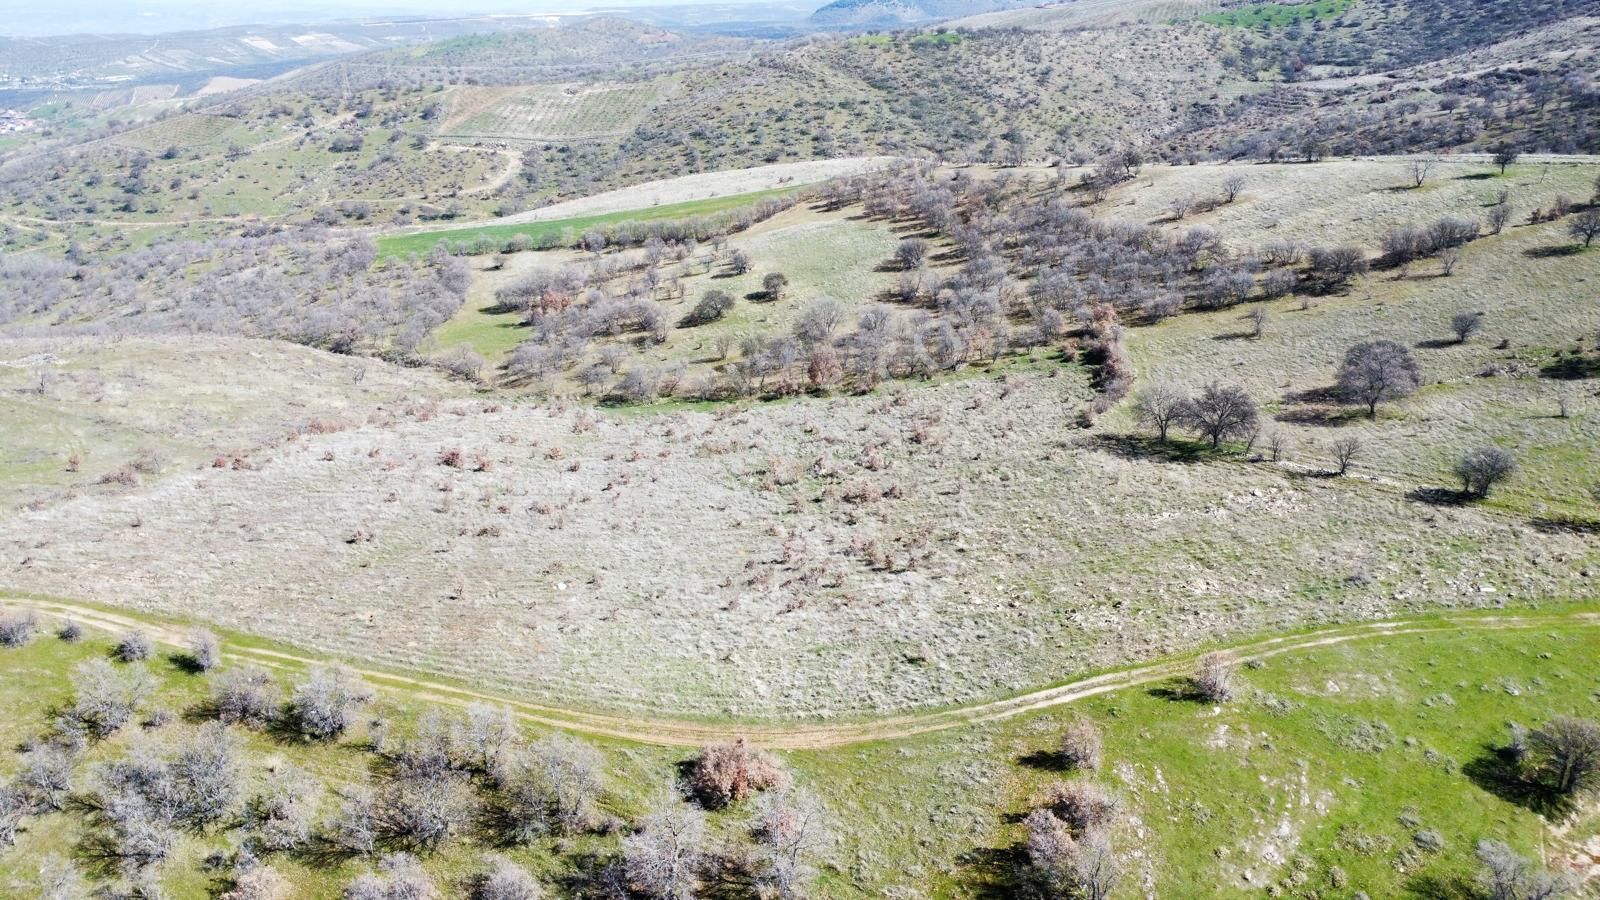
1366 765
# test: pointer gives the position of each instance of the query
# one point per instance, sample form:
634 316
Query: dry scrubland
1014 552
1537 300
927 545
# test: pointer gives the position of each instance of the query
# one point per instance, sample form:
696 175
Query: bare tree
572 772
1213 678
400 877
1259 318
1481 469
1080 745
260 883
1160 406
17 627
106 697
1499 215
1221 411
506 881
1585 226
662 858
323 706
791 830
132 647
1375 371
1465 325
911 253
205 650
1344 451
284 810
739 262
1565 755
487 732
1505 875
1420 169
1083 805
245 697
1232 186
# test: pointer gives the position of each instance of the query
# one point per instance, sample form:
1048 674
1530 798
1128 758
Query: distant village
13 121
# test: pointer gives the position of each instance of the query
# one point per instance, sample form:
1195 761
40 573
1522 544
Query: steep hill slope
903 12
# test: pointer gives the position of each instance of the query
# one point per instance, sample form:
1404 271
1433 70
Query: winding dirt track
807 736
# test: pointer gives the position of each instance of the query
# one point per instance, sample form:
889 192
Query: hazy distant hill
901 12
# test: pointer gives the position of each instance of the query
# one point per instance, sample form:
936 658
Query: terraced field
553 112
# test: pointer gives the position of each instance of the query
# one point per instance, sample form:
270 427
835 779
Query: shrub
1080 745
205 651
245 697
1213 678
133 647
1465 325
712 307
321 707
400 877
71 632
724 774
263 883
506 881
1084 806
18 627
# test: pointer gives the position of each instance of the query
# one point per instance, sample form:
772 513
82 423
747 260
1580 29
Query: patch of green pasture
1272 15
419 243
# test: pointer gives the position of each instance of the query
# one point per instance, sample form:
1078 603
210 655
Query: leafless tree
205 650
1344 451
1259 318
400 877
1375 371
1499 215
1481 469
18 627
739 262
1080 745
662 858
132 647
1465 325
1505 875
773 285
506 881
1420 169
323 706
283 811
1585 226
245 697
1232 186
105 697
911 253
1221 411
791 830
1160 406
484 735
260 883
1505 155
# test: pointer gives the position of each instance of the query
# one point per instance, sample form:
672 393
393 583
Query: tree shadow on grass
1476 176
1573 368
992 873
1045 761
1438 496
1495 770
1566 525
1556 252
1432 886
1140 447
1177 690
1436 343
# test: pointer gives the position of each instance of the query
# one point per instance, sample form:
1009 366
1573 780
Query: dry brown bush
724 774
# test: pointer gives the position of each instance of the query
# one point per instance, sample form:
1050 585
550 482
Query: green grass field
421 242
1277 15
1320 776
